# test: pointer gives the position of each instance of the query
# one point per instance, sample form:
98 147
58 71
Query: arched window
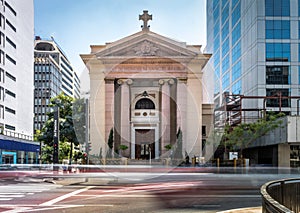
144 103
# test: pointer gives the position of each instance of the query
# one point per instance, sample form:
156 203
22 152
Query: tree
110 143
178 150
123 147
67 134
241 136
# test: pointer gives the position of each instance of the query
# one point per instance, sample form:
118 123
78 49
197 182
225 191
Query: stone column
165 115
109 110
125 115
182 111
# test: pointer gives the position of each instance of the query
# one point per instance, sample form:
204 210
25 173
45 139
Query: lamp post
87 144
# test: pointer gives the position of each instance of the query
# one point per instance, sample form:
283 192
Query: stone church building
146 87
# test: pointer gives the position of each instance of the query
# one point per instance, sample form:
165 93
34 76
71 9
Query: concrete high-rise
16 82
16 66
53 74
255 46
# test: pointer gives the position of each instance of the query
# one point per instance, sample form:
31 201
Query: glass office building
256 65
255 46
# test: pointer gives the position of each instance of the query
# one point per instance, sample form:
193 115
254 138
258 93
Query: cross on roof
145 17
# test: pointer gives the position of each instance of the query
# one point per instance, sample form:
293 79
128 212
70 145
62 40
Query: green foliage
123 147
178 150
110 143
67 135
241 136
168 147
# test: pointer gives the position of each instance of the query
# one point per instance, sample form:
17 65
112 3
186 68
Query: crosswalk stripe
5 199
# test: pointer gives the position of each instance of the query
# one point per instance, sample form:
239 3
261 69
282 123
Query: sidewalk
244 210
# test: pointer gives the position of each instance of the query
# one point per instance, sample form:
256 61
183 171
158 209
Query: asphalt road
134 192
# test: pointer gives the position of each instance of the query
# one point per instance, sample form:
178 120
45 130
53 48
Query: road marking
28 208
55 200
171 196
10 195
5 199
17 210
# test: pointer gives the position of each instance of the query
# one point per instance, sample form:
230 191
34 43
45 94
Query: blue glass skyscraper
255 47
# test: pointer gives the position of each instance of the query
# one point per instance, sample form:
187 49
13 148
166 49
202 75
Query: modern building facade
255 46
256 56
146 87
53 74
16 82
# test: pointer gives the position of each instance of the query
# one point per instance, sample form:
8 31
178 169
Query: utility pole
56 137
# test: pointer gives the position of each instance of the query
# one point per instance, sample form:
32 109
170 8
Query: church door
145 145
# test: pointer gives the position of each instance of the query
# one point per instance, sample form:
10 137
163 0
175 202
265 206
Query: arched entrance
145 126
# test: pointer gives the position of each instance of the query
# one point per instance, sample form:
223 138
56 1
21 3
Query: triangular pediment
147 44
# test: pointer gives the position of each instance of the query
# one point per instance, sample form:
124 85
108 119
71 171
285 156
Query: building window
236 14
1 93
2 40
144 103
10 76
215 4
2 21
277 29
277 7
10 8
11 42
225 64
234 2
12 111
11 25
236 34
10 93
236 71
216 58
225 13
11 59
10 127
224 2
216 43
236 52
2 57
225 47
2 75
203 130
299 76
277 75
225 30
237 88
278 101
277 52
216 28
225 81
2 111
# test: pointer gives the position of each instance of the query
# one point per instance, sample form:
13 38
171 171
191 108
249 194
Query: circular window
145 114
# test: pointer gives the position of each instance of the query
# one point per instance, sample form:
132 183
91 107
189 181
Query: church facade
145 87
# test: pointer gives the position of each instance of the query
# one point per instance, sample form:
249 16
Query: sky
77 24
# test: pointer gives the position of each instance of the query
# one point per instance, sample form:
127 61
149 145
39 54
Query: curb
244 210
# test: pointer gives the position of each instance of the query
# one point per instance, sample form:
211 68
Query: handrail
277 196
